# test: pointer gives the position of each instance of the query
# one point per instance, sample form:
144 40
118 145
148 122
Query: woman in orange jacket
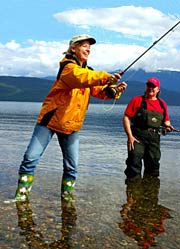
63 112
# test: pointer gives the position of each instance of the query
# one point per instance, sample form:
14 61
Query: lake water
106 213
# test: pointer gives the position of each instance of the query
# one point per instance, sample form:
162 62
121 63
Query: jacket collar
73 57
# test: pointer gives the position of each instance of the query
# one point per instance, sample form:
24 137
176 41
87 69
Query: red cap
154 81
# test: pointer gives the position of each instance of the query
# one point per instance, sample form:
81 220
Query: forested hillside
35 89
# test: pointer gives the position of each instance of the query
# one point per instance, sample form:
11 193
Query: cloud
40 58
32 58
128 20
129 31
119 56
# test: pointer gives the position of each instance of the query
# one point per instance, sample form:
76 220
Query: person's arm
167 123
74 76
127 127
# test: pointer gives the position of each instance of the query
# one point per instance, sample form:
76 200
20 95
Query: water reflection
69 218
142 217
33 237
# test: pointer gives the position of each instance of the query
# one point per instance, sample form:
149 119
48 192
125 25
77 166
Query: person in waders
142 119
63 112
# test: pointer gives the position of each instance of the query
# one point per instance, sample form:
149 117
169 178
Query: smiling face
81 50
151 91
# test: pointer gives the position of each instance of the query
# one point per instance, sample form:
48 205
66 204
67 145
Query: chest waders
145 128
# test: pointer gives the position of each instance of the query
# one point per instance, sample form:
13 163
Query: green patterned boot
67 188
24 187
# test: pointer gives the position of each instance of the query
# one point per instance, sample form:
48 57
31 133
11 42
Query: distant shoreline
31 89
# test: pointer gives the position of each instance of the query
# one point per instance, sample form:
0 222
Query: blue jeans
41 137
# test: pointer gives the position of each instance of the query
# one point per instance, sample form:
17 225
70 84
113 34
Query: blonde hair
69 51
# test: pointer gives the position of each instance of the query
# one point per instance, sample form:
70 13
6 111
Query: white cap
80 38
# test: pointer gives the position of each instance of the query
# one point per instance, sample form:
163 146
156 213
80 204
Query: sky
35 33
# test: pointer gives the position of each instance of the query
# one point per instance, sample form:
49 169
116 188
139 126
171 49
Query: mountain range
30 89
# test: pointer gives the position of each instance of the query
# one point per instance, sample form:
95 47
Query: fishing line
109 91
111 107
154 43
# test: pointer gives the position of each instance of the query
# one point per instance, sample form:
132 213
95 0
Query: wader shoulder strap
162 106
143 103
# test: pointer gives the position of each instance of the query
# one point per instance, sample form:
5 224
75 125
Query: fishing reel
162 131
111 91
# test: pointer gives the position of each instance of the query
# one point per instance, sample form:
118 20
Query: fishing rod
111 90
154 43
163 130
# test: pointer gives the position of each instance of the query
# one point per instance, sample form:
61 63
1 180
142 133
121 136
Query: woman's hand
130 142
121 87
113 78
169 128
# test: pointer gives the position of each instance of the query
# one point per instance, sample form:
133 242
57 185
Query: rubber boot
24 187
67 188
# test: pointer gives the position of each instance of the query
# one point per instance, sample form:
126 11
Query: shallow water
106 213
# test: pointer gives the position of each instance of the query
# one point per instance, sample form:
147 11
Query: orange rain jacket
64 108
